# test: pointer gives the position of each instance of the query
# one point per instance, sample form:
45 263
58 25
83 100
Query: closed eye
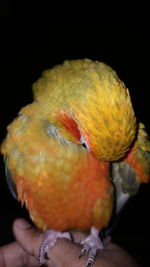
84 144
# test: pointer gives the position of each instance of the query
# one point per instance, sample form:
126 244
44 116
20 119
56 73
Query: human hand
24 252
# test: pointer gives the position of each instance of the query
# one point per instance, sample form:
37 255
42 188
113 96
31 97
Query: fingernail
23 224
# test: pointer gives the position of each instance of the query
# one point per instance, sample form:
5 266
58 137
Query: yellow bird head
103 111
96 99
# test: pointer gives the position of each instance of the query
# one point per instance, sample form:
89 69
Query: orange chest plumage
84 201
61 183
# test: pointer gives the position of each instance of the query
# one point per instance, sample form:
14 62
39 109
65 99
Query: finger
28 237
14 255
78 236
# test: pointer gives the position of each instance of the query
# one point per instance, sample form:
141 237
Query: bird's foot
91 245
49 240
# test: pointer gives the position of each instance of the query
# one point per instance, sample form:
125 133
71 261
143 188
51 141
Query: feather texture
63 184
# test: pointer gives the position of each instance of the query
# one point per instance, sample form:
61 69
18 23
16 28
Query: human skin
24 252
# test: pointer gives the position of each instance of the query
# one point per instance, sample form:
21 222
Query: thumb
28 237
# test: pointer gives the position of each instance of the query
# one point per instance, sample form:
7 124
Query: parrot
77 153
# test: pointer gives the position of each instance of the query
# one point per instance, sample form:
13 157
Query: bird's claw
91 245
84 251
90 261
49 240
91 258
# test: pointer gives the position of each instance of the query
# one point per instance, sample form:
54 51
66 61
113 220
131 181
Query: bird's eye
84 144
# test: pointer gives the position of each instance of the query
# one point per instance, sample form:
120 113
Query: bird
76 153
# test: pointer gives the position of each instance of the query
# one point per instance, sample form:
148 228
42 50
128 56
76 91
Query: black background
37 37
